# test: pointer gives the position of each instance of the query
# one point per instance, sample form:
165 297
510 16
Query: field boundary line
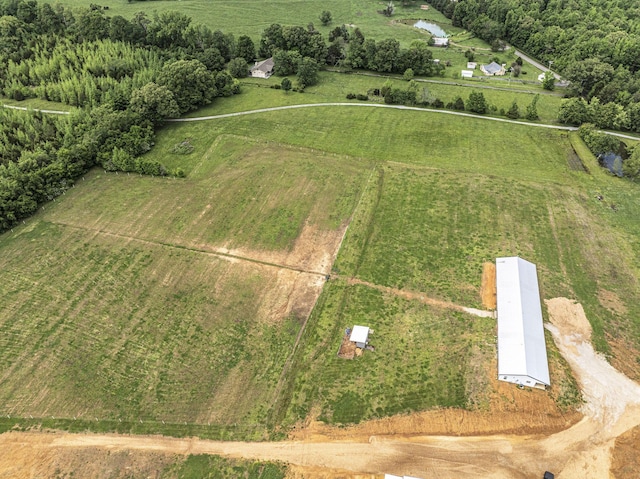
220 254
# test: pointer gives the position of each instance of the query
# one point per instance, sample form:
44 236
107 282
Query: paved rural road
360 105
583 451
536 64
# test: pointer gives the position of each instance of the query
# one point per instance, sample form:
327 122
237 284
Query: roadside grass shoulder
198 466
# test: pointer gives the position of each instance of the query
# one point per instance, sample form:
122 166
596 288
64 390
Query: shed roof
521 347
359 334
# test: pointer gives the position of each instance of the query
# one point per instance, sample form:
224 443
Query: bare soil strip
423 298
488 290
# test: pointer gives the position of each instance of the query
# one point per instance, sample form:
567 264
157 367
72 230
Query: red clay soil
488 287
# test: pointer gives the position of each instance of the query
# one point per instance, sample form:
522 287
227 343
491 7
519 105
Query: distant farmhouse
263 69
471 65
492 69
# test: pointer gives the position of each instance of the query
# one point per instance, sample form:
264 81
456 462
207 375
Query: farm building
493 69
522 352
263 69
471 65
440 42
360 335
466 74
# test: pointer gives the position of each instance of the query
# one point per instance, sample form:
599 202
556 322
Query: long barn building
522 352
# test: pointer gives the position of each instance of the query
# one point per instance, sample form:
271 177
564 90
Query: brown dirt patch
611 301
488 287
625 461
625 358
290 293
313 472
347 348
315 250
35 459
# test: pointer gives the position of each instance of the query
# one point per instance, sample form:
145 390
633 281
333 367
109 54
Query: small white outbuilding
522 351
467 74
359 335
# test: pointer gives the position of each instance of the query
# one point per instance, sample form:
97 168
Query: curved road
360 105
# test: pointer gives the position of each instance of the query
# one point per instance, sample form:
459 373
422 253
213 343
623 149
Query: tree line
595 45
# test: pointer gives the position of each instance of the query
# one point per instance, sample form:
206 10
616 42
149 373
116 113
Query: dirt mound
625 463
488 290
568 316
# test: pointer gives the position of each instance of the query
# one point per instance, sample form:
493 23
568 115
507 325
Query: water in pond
431 28
612 162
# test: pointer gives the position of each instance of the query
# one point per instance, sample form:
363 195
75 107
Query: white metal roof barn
522 352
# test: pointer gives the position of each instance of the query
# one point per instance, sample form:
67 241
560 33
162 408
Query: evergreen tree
531 112
476 103
513 112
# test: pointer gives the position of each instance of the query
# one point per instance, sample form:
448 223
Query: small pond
612 162
431 28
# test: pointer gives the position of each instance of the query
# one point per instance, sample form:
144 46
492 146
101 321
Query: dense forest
595 44
127 77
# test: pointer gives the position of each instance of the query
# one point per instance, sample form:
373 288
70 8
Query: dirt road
583 451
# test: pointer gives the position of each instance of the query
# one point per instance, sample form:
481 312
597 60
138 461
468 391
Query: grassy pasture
239 193
421 361
121 314
122 307
415 137
429 231
334 87
246 17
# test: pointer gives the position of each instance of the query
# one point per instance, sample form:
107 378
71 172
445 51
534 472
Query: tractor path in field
218 252
583 451
423 298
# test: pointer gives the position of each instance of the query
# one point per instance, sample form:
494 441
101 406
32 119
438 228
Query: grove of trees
127 76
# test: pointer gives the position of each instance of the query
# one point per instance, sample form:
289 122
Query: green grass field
123 312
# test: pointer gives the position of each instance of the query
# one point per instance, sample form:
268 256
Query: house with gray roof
493 69
263 69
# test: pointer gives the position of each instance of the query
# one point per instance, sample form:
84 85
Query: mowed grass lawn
120 313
